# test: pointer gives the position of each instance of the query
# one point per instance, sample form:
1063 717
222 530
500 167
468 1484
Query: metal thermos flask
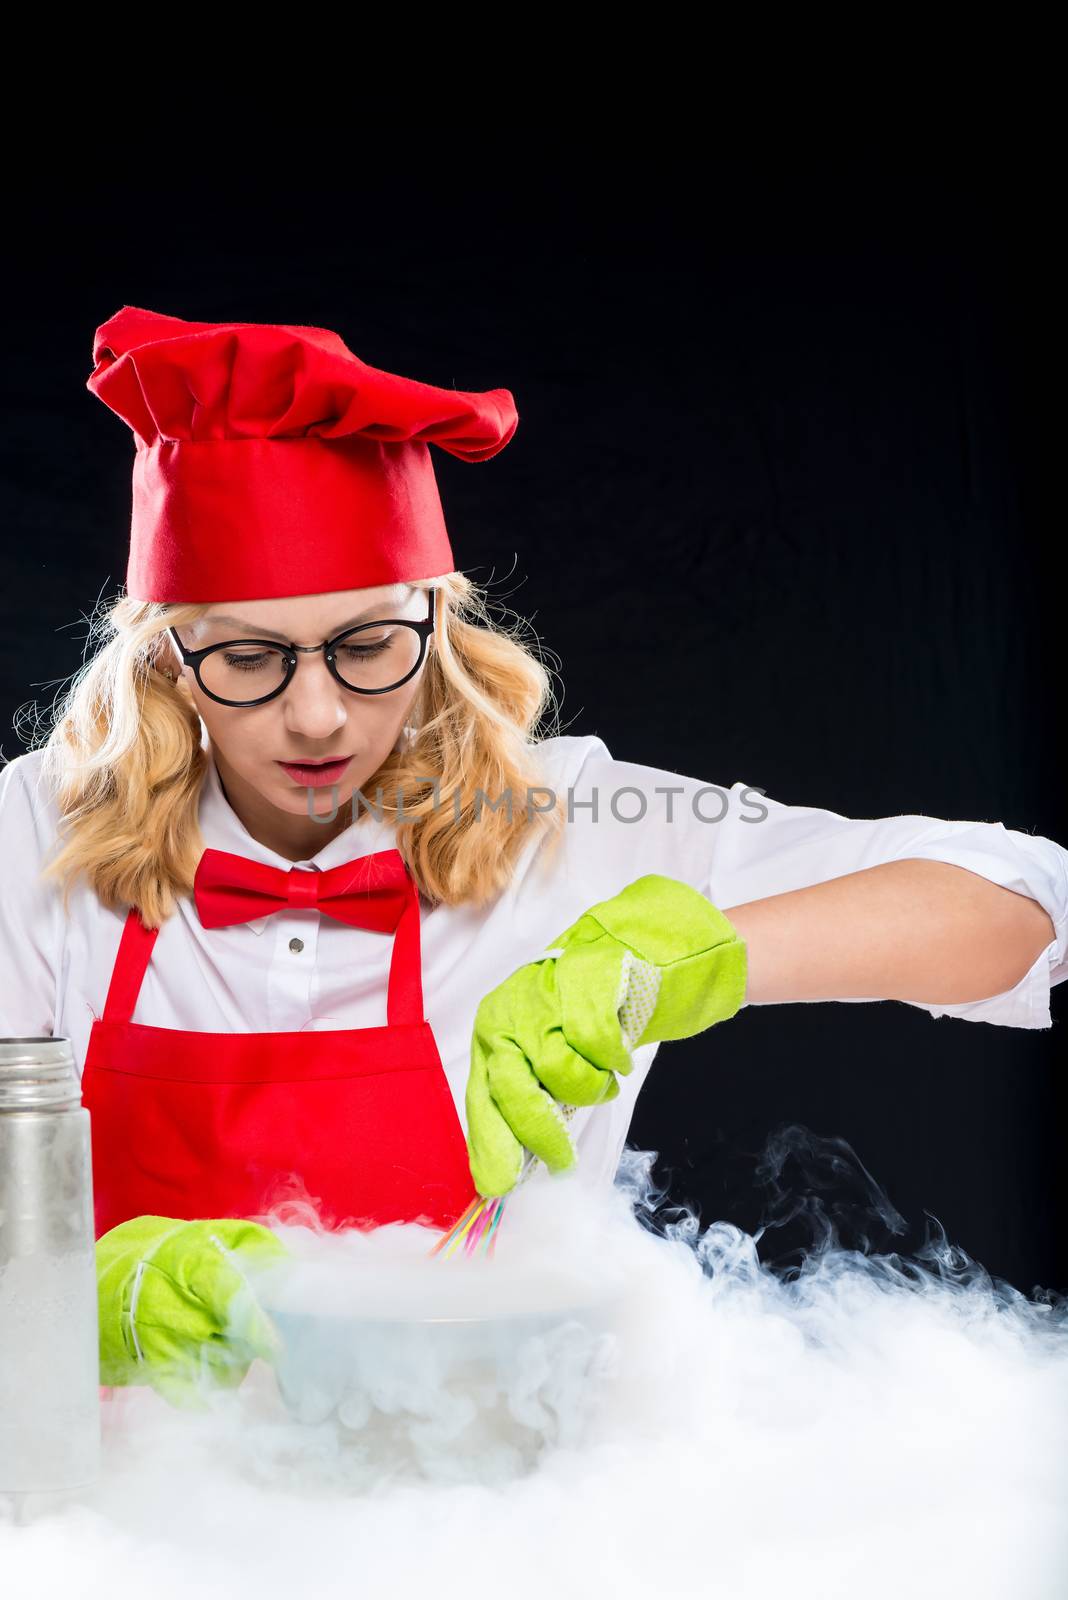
49 1340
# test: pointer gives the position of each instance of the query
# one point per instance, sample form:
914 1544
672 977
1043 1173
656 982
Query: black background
779 503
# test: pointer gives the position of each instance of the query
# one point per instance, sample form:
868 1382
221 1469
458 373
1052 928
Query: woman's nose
314 702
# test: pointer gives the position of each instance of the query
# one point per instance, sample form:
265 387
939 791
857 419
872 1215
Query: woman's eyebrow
257 631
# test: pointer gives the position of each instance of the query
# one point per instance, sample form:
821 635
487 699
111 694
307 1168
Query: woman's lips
316 777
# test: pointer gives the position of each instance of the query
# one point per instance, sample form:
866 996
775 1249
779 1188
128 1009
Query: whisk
476 1231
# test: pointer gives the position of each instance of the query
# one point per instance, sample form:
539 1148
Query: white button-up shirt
301 969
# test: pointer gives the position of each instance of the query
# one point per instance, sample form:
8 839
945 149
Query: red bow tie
371 892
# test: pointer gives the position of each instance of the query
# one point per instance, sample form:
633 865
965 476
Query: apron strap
127 975
404 1002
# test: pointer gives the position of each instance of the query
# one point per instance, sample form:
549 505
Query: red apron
360 1121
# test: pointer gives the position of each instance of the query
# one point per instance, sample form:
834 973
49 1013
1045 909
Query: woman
349 986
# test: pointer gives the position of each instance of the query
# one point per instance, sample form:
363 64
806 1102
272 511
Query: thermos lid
37 1074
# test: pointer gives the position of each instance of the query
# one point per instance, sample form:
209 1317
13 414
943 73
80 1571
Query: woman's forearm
903 930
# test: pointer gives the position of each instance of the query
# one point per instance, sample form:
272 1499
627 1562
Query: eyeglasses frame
193 658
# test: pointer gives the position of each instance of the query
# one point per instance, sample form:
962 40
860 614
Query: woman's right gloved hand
656 961
175 1307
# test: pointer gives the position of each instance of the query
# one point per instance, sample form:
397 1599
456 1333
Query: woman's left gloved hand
657 961
176 1307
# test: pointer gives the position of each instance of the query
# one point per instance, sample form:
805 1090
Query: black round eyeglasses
372 658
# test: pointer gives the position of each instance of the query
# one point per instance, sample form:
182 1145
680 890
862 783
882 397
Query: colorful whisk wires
476 1231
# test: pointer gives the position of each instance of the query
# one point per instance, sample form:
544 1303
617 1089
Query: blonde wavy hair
124 758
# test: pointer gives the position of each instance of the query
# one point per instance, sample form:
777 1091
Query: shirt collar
222 829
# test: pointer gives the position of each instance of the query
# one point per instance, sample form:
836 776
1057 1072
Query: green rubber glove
657 961
175 1306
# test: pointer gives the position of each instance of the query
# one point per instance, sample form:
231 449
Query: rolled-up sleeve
796 846
30 921
737 844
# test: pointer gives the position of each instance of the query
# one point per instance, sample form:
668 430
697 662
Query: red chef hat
272 461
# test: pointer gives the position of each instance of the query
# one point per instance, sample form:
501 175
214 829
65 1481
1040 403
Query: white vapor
610 1406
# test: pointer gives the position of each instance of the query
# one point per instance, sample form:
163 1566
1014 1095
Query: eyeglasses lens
374 658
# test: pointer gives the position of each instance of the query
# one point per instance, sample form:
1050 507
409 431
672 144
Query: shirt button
296 945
